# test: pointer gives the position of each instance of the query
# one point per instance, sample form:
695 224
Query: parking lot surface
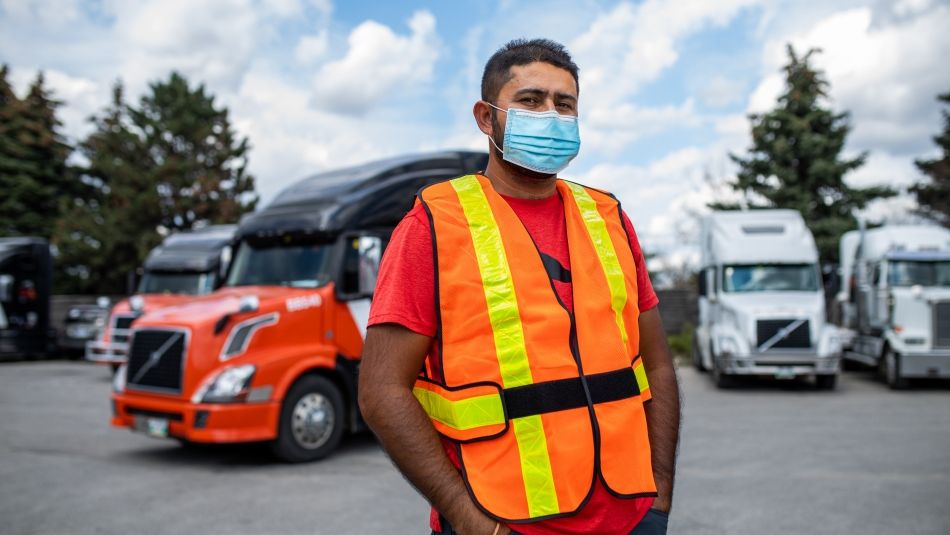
767 457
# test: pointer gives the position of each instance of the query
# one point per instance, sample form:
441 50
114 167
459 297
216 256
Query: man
525 302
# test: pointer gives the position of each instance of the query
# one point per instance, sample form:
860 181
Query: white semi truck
761 301
894 302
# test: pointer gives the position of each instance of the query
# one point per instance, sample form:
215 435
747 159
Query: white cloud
611 129
55 13
378 63
312 48
721 91
633 45
883 70
212 41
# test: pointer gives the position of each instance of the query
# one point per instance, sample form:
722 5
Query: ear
482 113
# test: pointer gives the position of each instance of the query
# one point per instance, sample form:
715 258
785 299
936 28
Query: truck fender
339 370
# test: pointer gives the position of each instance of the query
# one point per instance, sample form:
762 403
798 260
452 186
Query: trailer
273 354
761 303
895 303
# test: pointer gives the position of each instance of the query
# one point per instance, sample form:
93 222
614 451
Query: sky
665 86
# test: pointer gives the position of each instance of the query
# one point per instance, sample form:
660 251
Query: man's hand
392 358
663 412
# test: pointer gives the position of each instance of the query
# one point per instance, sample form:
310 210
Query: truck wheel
720 379
697 356
311 421
892 366
826 382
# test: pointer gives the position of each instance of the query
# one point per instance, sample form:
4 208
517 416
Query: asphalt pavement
765 458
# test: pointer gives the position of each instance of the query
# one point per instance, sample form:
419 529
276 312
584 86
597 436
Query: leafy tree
171 163
933 196
795 159
34 177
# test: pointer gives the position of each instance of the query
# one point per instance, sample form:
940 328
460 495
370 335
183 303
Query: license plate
154 427
784 372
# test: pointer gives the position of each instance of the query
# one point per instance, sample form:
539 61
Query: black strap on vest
554 269
563 394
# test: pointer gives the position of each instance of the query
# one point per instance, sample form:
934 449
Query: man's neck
508 180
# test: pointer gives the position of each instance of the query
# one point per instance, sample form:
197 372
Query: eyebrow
542 92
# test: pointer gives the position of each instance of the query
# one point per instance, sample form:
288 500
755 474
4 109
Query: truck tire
312 420
826 382
892 365
720 379
697 356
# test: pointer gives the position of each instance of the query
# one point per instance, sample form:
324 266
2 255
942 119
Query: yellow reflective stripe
536 466
597 229
497 283
462 414
641 374
510 347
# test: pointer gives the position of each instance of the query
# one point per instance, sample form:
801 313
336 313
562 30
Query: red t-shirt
405 294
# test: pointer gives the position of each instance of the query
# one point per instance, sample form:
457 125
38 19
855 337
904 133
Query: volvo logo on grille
155 356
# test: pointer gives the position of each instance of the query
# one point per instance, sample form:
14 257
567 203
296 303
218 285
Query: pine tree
34 177
933 195
171 163
795 160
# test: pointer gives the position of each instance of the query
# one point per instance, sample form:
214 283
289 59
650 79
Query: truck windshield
911 273
298 265
160 282
770 278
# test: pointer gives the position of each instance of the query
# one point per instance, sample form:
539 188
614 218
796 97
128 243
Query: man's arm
392 358
663 411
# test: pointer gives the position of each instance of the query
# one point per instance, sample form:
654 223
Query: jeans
654 523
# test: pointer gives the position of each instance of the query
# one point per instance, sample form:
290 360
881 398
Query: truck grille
799 338
120 327
942 324
156 359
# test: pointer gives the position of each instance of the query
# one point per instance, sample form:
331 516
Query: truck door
877 297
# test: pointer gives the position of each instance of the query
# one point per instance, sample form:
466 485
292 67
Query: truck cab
761 302
26 275
184 265
897 305
273 354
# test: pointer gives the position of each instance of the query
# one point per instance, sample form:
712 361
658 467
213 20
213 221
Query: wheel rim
313 421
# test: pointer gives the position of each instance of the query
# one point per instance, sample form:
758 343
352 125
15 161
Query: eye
531 101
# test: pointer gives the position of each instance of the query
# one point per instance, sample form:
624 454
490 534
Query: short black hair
522 52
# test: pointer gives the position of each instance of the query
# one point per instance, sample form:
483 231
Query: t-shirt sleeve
647 298
405 288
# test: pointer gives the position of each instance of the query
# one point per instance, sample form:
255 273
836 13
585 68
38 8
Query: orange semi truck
273 355
184 265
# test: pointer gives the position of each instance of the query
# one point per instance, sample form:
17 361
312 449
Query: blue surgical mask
544 142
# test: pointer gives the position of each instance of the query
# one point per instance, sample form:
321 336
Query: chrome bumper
782 365
934 363
107 352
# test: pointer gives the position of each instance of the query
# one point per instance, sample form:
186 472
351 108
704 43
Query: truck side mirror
370 251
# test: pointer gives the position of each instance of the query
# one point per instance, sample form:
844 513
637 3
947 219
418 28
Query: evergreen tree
795 159
168 164
34 177
933 196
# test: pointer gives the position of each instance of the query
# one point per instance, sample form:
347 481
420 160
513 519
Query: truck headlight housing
119 379
728 345
231 385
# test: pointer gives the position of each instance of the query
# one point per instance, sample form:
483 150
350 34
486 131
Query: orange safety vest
539 401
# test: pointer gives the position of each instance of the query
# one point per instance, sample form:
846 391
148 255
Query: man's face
537 87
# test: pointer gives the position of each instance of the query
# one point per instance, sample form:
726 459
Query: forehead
539 75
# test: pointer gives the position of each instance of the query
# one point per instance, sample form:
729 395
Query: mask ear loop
491 138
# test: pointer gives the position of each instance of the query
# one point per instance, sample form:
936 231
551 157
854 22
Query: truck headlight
229 386
118 379
728 345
